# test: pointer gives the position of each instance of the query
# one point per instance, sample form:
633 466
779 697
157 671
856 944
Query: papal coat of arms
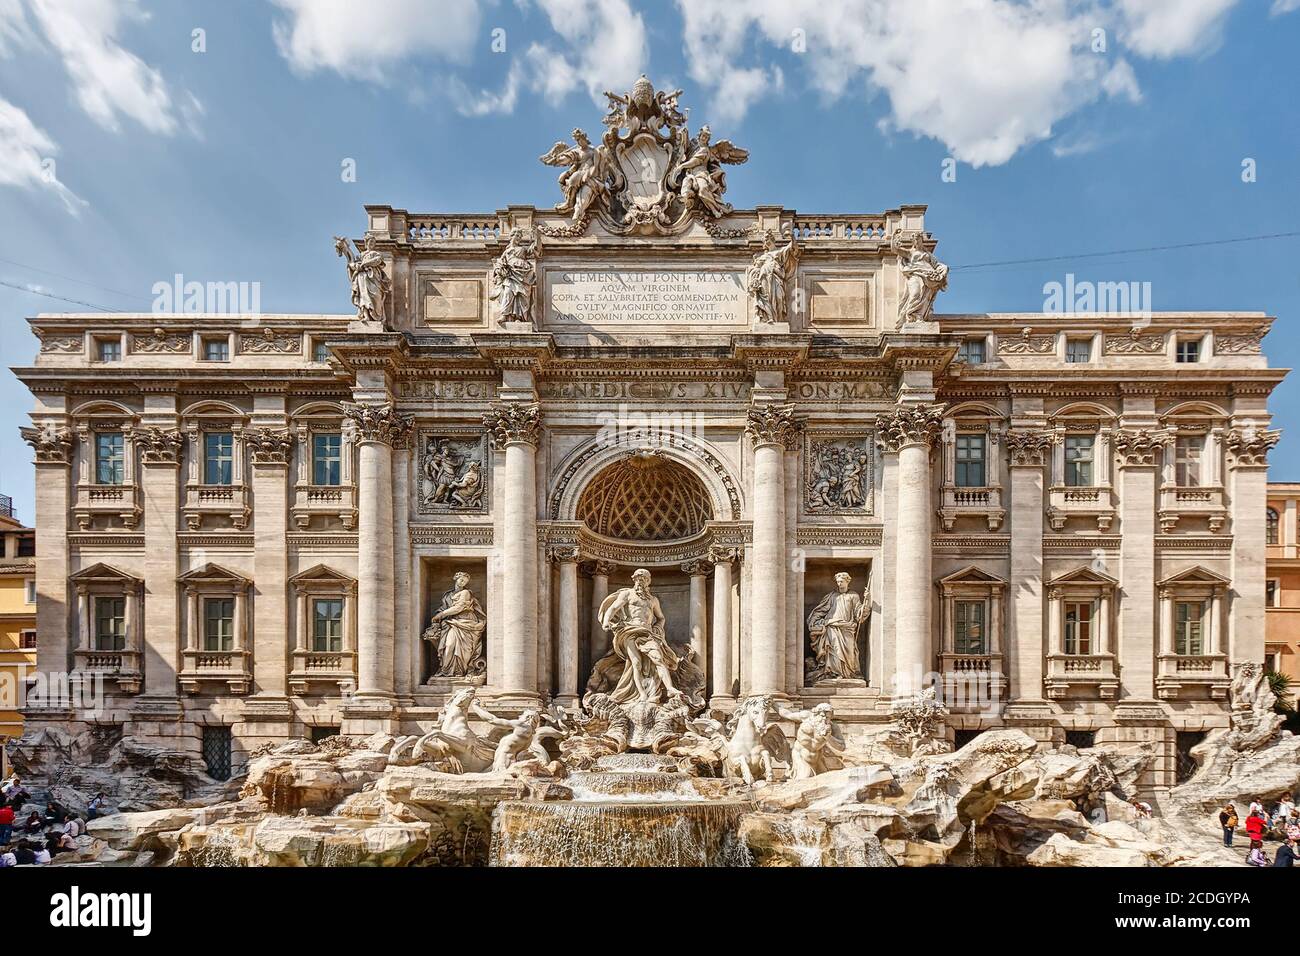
648 175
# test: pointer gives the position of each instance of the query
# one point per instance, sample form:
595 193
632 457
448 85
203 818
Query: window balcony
1196 502
335 501
972 682
1091 502
228 667
1081 675
121 666
323 667
115 501
226 501
983 502
1192 675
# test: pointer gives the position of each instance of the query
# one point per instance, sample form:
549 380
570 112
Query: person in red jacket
6 823
1255 826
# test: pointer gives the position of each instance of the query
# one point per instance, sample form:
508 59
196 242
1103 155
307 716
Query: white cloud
1164 29
985 77
15 31
109 81
364 40
27 156
606 48
1284 6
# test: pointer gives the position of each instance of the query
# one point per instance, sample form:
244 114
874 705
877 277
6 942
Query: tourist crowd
40 835
1282 825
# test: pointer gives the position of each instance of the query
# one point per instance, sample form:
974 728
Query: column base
1027 711
725 702
512 703
1140 710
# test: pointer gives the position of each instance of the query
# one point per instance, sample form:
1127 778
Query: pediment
321 573
101 573
1195 575
213 574
973 575
1083 576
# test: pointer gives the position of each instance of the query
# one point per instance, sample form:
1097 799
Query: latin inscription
647 298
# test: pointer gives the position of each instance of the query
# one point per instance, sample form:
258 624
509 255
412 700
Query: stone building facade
249 523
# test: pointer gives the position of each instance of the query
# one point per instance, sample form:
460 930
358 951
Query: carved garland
1135 343
1246 343
1028 344
162 341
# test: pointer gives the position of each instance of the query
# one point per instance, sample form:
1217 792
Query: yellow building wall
16 616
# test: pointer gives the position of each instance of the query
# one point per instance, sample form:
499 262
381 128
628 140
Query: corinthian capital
1250 446
909 425
774 425
379 423
52 444
269 446
1029 447
1137 448
511 422
159 446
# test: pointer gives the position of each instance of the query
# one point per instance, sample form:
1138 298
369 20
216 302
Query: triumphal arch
644 450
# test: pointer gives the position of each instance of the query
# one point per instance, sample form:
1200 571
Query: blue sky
224 165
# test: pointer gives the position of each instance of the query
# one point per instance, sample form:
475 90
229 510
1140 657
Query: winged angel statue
647 174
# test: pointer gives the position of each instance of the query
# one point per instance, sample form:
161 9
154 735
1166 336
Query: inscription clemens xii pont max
633 298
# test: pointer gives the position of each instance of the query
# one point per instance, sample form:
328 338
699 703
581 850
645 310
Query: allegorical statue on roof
371 287
514 278
647 175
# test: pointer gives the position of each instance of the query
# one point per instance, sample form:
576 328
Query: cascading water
629 811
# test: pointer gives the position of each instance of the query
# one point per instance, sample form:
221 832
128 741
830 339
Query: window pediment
1084 577
211 576
1195 577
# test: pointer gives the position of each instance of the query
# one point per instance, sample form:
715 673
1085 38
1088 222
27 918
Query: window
29 640
971 352
968 627
1272 662
1188 350
1078 460
1078 351
1078 627
217 746
1272 527
326 458
29 591
218 458
969 461
317 734
110 623
216 350
109 350
327 624
320 352
110 458
1082 739
1270 592
1187 460
27 546
218 624
1189 630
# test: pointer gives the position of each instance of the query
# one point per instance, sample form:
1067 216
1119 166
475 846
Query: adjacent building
1282 590
250 523
17 616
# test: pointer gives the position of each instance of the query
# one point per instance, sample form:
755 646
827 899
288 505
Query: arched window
1272 526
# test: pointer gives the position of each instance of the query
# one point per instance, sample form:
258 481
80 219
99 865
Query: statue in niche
769 276
924 277
456 632
371 287
839 476
635 620
453 479
698 175
590 175
833 629
514 278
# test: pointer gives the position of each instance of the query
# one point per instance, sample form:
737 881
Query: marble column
565 557
405 636
699 611
516 427
720 639
600 572
378 428
773 430
910 431
1029 450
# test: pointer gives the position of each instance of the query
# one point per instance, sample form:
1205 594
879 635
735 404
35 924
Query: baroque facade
258 527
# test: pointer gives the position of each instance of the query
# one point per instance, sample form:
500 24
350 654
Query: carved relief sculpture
833 628
371 286
52 444
452 474
768 278
514 278
159 446
1135 343
379 422
924 277
1250 446
1027 344
162 341
455 633
838 476
510 422
1030 448
269 446
909 425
